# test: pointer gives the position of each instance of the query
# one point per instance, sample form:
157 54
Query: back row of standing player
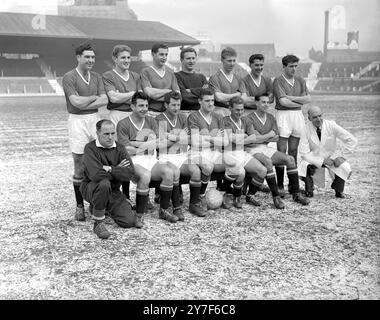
86 91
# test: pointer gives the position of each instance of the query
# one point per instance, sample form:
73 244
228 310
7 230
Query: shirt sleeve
221 123
249 127
94 166
274 125
242 87
137 78
100 85
214 83
162 125
123 173
108 83
145 82
192 123
122 133
304 89
68 84
227 124
278 89
154 126
187 97
175 86
197 91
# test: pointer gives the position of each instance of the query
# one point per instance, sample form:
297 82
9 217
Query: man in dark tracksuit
106 165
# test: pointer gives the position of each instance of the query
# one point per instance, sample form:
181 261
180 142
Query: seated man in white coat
318 149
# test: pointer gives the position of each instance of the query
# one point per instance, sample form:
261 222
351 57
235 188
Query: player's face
237 111
263 104
229 63
257 67
86 60
189 60
123 60
173 107
141 108
207 103
316 118
161 57
107 135
290 69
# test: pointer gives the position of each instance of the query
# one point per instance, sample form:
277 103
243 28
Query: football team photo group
162 129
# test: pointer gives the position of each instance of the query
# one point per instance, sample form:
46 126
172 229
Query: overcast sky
292 25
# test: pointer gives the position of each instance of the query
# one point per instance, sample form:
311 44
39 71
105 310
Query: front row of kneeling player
193 146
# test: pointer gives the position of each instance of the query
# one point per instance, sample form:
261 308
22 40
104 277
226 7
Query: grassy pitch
327 250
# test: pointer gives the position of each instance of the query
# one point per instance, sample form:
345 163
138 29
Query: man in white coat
318 149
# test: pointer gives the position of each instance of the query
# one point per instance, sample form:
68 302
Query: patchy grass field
328 250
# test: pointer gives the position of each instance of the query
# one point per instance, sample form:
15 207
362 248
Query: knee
268 164
176 173
195 172
262 172
290 162
104 185
144 178
207 169
167 173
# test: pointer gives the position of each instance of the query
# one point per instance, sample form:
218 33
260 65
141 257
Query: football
214 199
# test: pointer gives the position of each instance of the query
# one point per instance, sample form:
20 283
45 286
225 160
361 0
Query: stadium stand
19 68
341 84
340 69
25 85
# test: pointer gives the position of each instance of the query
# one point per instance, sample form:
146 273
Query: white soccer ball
214 199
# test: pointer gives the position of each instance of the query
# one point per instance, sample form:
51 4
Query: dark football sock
142 197
204 182
272 183
125 188
195 189
255 184
166 194
294 184
237 190
175 196
78 195
227 182
280 171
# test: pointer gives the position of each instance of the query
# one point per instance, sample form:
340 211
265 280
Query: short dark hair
205 92
138 95
255 56
100 123
120 48
171 95
187 49
83 47
158 46
290 58
257 98
228 52
235 100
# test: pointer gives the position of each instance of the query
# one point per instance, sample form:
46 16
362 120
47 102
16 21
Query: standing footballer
84 92
291 94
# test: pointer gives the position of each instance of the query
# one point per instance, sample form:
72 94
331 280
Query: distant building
244 51
112 9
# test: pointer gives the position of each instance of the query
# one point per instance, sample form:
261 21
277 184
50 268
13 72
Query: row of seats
19 68
25 86
102 64
341 69
344 85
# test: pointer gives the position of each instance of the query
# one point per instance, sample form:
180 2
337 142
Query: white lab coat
313 151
